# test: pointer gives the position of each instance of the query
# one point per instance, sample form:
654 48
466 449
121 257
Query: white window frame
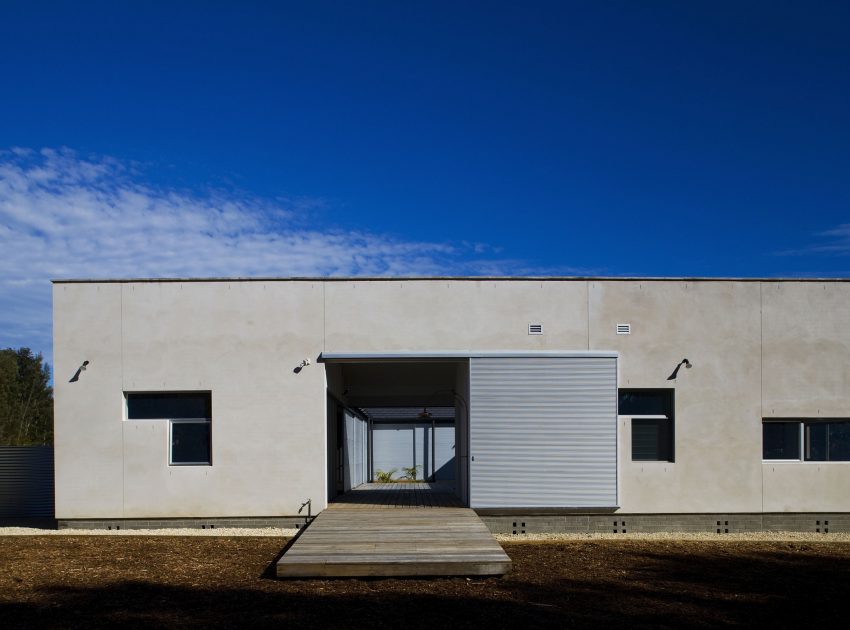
171 423
802 441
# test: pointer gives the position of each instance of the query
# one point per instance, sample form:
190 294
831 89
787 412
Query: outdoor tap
309 504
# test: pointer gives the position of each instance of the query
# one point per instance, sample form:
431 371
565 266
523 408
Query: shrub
410 472
385 476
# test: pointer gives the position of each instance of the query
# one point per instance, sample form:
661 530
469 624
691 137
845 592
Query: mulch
80 581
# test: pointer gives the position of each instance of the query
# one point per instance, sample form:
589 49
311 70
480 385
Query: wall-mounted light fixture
80 369
675 373
304 363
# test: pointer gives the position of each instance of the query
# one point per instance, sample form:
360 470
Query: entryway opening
397 431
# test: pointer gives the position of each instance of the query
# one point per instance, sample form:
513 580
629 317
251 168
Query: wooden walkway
355 538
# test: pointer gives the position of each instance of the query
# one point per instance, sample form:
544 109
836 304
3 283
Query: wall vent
535 329
624 329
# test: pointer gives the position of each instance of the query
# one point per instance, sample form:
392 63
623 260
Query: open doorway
398 421
413 443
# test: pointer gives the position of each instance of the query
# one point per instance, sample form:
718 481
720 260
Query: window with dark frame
189 416
652 413
811 440
781 440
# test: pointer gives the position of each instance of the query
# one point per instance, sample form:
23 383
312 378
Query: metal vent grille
535 329
624 329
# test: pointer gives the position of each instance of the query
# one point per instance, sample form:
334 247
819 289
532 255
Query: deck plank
394 530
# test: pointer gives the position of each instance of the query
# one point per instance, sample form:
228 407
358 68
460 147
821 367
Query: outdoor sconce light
304 363
675 373
80 369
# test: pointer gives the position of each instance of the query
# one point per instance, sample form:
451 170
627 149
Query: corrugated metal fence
26 481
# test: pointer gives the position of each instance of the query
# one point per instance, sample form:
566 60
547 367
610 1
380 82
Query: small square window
652 413
651 440
781 440
189 415
190 442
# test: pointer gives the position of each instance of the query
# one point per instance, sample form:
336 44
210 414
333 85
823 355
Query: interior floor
399 495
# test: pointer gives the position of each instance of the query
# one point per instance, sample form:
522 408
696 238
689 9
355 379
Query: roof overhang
459 355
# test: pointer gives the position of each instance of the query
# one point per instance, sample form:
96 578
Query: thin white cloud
839 240
835 242
65 216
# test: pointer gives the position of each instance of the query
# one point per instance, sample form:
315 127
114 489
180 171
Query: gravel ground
275 532
218 531
684 536
92 582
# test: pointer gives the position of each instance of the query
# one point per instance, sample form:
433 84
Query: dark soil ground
132 582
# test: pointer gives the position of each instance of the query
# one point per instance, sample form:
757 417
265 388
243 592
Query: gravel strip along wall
519 538
680 536
277 522
186 531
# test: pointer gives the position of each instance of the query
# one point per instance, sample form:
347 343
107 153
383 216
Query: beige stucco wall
241 341
768 349
444 315
806 358
717 327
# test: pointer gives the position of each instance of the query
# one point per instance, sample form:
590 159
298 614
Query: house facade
546 403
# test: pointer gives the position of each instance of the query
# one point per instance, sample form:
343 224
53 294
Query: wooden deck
356 538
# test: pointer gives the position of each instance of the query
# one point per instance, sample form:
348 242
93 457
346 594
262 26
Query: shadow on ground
219 582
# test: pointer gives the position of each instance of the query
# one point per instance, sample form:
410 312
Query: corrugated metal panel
543 432
26 481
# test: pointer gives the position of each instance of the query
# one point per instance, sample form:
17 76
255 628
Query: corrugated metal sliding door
355 450
543 432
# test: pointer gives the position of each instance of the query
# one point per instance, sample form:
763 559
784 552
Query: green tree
26 398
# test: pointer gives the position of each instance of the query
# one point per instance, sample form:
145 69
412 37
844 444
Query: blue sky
410 138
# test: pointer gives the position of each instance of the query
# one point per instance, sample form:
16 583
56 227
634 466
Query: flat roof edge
339 357
446 278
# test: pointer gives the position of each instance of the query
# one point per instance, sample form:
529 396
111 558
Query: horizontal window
645 402
168 405
809 440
